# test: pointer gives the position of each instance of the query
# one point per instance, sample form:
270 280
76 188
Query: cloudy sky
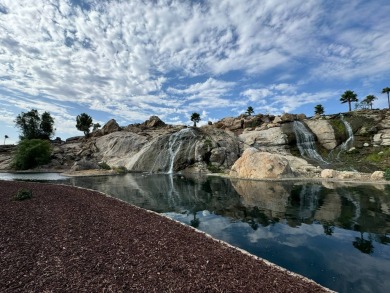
129 60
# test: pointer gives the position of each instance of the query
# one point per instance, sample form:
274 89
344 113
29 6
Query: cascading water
175 143
306 142
348 143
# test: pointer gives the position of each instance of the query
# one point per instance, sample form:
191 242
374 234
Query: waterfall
175 143
348 143
306 142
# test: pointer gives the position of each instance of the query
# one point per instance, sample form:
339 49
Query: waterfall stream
306 142
175 143
348 143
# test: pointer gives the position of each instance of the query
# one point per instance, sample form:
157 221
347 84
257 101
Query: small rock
328 173
378 175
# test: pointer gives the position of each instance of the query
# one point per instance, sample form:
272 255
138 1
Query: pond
335 234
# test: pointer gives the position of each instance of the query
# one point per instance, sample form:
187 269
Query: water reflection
336 234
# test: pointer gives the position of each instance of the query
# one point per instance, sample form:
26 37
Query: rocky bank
256 147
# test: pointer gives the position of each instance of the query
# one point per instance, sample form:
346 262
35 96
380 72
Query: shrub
31 153
120 170
387 174
23 194
104 166
378 157
214 169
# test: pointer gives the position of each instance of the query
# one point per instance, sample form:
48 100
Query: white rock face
255 164
260 165
378 175
270 140
328 173
120 148
324 132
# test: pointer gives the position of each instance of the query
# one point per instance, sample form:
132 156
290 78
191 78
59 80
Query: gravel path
67 239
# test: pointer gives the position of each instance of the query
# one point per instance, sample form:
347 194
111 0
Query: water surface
335 234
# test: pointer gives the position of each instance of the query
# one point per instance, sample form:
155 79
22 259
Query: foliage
23 194
249 111
31 153
387 174
84 123
378 157
386 90
214 169
33 126
339 129
369 99
104 166
120 170
96 126
319 109
348 97
5 137
363 105
195 117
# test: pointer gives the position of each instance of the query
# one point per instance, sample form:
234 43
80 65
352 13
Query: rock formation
267 145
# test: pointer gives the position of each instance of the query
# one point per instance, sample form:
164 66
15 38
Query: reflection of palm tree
363 245
253 224
195 222
328 229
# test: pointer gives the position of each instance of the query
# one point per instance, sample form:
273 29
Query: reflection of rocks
330 209
271 196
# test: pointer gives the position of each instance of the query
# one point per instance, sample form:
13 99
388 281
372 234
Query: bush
31 153
120 170
23 194
104 166
387 174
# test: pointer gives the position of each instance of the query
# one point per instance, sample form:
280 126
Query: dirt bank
67 239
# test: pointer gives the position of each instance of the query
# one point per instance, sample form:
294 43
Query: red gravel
67 239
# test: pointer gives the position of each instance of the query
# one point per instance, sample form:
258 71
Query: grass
378 157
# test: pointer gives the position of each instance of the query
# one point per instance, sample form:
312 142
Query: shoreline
101 172
78 230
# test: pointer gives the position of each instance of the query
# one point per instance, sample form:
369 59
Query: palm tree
249 111
348 97
195 117
319 109
369 99
386 90
5 137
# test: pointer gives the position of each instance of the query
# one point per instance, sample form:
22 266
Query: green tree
5 137
386 90
369 99
33 126
348 97
46 126
96 126
31 153
84 123
195 117
249 111
319 109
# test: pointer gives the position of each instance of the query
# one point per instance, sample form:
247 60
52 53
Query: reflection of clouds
346 268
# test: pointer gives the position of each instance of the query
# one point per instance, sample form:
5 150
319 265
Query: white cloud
139 58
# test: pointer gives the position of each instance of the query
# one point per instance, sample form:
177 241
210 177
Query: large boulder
261 165
324 132
270 140
110 127
154 121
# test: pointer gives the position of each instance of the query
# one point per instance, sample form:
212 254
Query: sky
129 60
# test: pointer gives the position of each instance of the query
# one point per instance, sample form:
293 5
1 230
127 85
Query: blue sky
129 60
